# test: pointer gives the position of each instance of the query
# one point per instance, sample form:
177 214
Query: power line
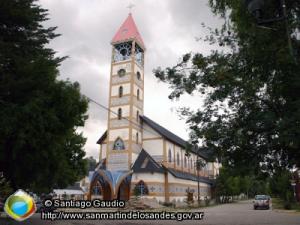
130 121
109 110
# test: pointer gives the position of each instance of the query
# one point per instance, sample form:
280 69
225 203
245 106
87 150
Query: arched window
170 156
138 94
138 75
137 115
120 91
141 188
191 163
185 162
119 113
137 137
119 144
178 159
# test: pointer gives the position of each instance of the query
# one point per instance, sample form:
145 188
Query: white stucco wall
153 147
103 146
173 179
178 153
170 146
148 177
134 157
134 131
116 68
137 68
115 89
135 109
148 132
135 88
125 111
122 133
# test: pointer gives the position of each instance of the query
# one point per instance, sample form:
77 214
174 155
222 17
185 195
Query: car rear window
261 197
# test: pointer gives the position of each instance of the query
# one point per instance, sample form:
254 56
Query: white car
262 201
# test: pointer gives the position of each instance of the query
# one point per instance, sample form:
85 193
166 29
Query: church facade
137 155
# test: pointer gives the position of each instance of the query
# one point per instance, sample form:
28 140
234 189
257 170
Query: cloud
168 28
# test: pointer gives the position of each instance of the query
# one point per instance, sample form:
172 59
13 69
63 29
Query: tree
281 185
251 113
91 164
229 184
246 184
39 146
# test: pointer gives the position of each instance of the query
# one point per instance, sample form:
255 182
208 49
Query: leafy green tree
251 113
229 184
91 164
246 184
39 146
280 185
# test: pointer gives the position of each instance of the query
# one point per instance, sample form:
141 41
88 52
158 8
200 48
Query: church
137 155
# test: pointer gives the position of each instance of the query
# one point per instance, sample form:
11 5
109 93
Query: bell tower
126 97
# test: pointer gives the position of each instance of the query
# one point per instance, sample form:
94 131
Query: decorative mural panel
118 162
156 188
153 188
176 189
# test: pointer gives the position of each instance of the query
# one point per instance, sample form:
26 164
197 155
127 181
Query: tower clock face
138 55
122 52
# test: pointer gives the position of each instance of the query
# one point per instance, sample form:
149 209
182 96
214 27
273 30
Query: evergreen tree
39 146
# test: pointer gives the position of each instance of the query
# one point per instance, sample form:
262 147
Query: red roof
128 30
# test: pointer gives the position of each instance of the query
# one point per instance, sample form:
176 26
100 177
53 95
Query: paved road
229 214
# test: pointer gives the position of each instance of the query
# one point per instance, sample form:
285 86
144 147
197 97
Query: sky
169 29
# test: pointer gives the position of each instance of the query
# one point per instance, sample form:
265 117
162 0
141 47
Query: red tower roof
128 30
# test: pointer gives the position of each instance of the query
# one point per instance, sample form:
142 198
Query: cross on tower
130 6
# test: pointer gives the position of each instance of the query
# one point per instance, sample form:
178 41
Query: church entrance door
124 191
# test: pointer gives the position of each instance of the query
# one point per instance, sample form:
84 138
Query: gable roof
154 167
150 166
173 137
188 176
102 138
128 31
202 152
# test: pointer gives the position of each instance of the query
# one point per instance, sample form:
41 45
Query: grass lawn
279 204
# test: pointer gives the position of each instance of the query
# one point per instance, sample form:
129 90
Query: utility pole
198 180
199 165
255 7
287 27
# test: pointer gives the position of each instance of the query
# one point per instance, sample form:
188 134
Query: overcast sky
168 28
